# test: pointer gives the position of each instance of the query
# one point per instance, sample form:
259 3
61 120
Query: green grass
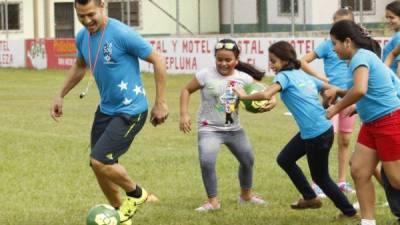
46 180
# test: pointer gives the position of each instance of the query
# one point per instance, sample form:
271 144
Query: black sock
137 193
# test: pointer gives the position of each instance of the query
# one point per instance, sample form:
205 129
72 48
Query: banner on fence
50 53
188 55
182 55
12 53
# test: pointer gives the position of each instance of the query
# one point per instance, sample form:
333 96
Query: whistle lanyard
93 67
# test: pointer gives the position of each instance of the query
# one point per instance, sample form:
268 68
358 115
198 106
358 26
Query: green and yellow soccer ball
249 105
102 214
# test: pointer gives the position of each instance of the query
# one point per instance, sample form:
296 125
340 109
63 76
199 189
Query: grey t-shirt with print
219 105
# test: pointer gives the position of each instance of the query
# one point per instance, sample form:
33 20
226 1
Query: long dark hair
360 36
285 51
394 7
251 70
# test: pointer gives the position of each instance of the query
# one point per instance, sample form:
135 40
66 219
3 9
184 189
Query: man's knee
96 164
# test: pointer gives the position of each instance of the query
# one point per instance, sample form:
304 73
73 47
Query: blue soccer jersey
300 95
116 71
335 68
381 97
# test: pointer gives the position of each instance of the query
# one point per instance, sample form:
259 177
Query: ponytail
251 70
359 35
372 44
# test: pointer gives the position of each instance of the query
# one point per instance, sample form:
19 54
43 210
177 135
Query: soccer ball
102 214
249 105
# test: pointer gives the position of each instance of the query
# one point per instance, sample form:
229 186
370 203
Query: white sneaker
255 199
356 206
346 187
206 207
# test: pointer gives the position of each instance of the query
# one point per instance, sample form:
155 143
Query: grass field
45 178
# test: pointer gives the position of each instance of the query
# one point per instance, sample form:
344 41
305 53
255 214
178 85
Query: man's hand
56 108
159 113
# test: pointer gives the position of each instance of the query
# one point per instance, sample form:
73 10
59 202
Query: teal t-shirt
335 68
300 95
388 48
381 97
117 71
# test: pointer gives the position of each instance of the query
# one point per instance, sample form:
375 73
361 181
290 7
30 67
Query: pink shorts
383 135
343 123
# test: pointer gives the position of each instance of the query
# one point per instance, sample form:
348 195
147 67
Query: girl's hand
329 97
350 111
269 105
331 111
185 124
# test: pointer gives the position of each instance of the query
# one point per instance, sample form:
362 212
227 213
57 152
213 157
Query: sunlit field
45 178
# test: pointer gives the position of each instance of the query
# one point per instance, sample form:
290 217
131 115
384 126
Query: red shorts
383 135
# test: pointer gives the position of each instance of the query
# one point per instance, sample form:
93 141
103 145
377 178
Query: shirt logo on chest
107 52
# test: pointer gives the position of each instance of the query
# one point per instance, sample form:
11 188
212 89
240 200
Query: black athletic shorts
112 135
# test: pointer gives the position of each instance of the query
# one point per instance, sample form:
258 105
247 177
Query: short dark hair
85 2
285 51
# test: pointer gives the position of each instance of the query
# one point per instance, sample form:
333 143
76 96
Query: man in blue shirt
111 50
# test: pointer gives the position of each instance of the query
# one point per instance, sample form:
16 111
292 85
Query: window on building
64 19
13 13
285 7
355 5
119 11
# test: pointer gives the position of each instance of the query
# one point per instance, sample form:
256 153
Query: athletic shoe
207 207
314 203
318 191
124 220
255 199
130 205
356 205
345 187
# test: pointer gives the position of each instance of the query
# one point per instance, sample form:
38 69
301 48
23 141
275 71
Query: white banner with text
188 55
